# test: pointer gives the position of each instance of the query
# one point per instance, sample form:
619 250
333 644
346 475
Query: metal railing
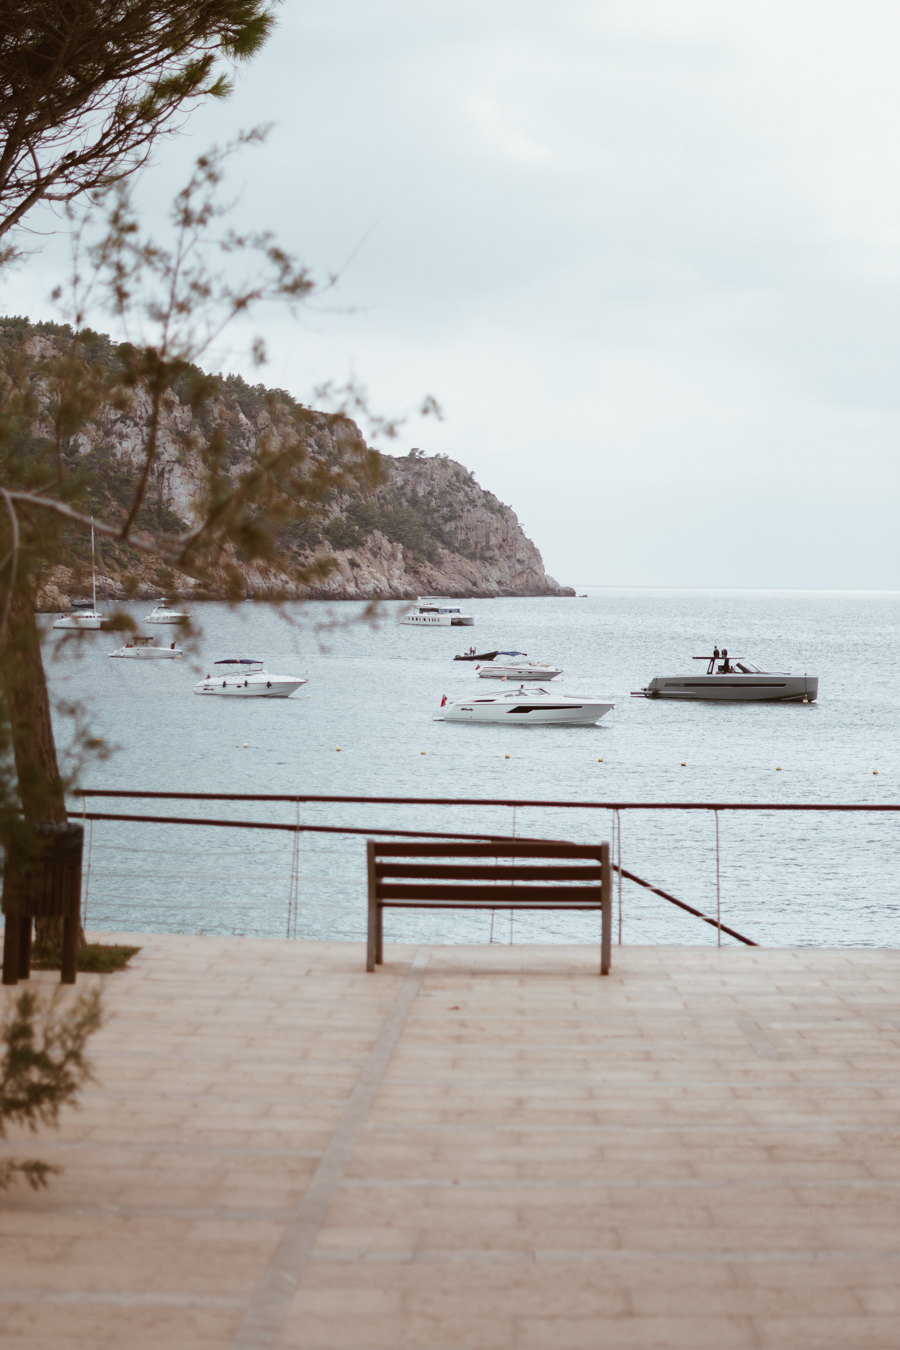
297 827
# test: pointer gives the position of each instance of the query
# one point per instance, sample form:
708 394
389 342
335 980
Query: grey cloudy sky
647 255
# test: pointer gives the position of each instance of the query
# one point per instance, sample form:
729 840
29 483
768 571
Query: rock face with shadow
431 529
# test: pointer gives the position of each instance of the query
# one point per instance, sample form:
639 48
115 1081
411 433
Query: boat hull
734 688
519 672
523 711
85 621
265 686
147 653
426 620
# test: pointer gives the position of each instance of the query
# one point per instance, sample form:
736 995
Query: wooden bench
472 876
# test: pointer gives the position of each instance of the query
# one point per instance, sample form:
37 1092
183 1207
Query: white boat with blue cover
244 677
518 670
531 707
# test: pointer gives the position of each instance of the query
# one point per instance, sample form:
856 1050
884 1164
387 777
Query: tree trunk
31 728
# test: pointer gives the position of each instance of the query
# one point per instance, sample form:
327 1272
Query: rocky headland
428 527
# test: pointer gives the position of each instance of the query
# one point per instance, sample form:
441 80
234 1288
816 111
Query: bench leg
606 910
379 934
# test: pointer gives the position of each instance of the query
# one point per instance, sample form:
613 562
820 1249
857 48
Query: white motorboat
532 707
142 648
84 613
521 670
247 678
163 613
729 679
436 611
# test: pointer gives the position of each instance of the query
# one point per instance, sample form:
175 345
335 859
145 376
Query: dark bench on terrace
474 876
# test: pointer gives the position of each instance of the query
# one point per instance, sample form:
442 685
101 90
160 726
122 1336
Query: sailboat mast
93 570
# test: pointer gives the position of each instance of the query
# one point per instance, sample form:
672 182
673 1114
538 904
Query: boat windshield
237 661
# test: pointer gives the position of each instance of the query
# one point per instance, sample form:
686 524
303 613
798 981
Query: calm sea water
784 878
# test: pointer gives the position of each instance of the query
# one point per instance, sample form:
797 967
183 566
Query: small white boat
532 707
732 680
80 618
84 613
436 611
524 670
163 613
246 678
142 648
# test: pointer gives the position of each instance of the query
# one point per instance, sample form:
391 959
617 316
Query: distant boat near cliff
436 611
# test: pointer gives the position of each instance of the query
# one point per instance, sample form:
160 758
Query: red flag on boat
478 667
443 700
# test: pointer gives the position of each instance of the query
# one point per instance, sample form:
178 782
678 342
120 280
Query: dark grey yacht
729 679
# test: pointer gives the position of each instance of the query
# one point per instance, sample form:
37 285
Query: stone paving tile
700 1151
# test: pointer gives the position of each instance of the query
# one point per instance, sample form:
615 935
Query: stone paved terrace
475 1147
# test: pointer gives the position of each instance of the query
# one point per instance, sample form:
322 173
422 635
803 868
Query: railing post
606 910
372 946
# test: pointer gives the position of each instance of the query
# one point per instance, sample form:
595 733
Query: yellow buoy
245 744
338 749
875 771
506 756
600 760
684 763
421 752
778 768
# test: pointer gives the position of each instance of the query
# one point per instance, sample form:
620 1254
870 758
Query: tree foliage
43 1068
87 86
174 301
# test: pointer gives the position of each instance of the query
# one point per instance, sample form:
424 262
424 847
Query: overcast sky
646 255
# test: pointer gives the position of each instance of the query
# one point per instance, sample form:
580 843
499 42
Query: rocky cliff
427 528
430 529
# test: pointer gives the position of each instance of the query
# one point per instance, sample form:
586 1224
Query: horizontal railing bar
277 825
486 801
